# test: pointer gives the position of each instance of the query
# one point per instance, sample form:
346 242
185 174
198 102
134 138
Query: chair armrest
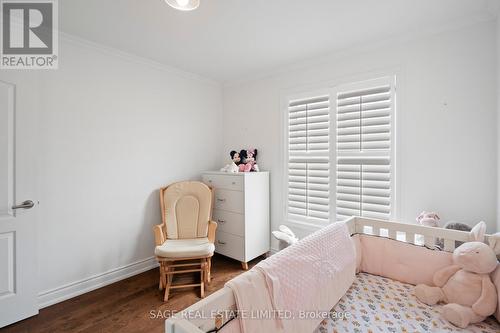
159 234
212 226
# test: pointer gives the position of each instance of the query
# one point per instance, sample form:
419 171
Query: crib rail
216 308
410 233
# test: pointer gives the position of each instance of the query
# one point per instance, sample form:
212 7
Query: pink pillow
401 261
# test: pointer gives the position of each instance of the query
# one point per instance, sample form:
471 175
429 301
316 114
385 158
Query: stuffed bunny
465 286
428 219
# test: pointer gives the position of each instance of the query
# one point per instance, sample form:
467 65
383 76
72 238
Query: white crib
213 311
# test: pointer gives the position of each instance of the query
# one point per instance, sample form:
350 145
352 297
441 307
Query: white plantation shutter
308 159
364 149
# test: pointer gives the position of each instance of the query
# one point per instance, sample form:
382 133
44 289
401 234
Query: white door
18 251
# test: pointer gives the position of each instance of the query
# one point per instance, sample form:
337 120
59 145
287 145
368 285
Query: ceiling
227 40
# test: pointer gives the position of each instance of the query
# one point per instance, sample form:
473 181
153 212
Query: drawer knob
221 221
234 183
221 200
210 180
221 243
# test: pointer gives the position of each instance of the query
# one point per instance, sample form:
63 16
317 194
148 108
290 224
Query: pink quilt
302 283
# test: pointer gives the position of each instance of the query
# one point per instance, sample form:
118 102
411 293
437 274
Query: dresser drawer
230 245
228 182
232 201
230 222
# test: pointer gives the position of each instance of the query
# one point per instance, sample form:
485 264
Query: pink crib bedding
378 304
312 275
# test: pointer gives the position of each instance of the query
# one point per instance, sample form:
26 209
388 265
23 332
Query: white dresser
241 210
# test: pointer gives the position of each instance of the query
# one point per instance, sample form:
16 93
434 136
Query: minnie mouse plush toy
248 160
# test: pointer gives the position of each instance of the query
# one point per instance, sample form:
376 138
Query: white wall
498 120
447 154
113 129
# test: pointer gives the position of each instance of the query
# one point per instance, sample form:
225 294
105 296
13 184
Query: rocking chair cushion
185 248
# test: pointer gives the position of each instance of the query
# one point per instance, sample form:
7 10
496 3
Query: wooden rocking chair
185 239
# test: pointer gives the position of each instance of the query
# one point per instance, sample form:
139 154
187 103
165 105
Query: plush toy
285 236
236 160
248 160
453 226
252 155
429 219
465 286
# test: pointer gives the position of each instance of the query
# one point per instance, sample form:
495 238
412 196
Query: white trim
399 79
304 226
70 290
330 87
135 59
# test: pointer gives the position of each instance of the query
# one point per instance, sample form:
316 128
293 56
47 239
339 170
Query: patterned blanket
377 304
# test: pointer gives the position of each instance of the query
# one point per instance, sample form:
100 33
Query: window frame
394 77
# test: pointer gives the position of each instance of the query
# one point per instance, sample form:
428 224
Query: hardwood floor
131 305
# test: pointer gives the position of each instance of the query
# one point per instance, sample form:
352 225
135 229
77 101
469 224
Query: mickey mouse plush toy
236 161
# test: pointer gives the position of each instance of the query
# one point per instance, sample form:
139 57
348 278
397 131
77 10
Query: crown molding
134 59
355 49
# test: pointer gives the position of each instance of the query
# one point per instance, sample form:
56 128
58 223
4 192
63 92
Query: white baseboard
70 290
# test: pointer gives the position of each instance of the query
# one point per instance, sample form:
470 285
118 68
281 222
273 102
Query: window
364 149
340 157
308 159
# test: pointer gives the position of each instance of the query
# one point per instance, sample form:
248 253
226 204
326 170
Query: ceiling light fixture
184 5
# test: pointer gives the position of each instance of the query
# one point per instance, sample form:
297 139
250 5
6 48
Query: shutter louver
364 156
308 158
